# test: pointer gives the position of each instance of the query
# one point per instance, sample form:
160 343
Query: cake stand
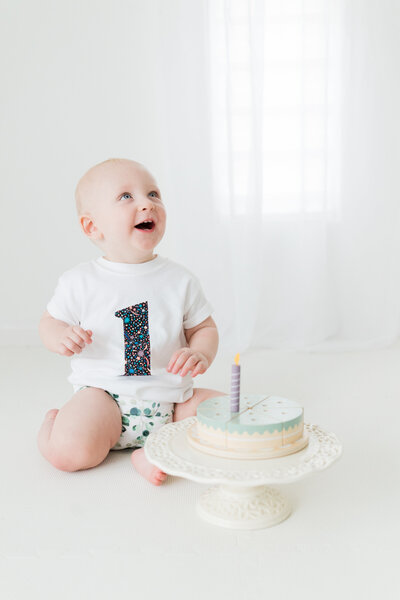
241 499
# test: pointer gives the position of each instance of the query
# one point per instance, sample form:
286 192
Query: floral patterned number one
136 339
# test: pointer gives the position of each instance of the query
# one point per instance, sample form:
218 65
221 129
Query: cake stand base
242 498
244 507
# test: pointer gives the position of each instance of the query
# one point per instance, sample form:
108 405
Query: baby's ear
88 227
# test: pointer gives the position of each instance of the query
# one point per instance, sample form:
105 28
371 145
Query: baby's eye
125 195
154 193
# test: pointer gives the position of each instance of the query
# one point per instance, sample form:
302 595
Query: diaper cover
139 418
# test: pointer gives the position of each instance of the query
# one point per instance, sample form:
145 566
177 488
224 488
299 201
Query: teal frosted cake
264 427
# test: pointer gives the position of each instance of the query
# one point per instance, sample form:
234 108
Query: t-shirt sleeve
63 305
197 307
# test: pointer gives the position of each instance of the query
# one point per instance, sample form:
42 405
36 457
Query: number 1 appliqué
136 338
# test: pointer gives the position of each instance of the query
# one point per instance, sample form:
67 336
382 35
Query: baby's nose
145 203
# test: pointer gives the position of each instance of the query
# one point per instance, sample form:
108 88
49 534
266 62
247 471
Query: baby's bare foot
149 471
45 431
51 414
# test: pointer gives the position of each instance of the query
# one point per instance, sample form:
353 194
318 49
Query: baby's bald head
85 191
112 199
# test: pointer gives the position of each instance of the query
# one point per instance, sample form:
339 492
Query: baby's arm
62 338
203 344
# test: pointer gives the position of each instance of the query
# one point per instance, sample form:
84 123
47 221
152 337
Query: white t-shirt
137 313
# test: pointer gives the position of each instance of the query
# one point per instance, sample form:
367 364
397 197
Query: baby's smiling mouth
147 225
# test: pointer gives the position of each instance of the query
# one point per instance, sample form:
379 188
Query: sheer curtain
300 204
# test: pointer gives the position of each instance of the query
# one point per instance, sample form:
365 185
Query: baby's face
123 195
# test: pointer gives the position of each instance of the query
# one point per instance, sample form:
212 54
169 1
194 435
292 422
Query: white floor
107 532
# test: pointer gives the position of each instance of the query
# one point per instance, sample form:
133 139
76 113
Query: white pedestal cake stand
241 500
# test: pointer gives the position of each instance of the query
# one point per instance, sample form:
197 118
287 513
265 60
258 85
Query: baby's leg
80 435
188 408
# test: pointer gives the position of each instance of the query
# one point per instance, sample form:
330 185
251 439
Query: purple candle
235 386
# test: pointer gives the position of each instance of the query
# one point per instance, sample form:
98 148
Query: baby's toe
52 413
158 477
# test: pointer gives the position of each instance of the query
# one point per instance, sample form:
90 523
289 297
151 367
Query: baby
137 326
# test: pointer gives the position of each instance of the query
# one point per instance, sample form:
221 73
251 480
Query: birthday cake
263 427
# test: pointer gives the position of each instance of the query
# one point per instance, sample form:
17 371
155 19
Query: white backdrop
271 128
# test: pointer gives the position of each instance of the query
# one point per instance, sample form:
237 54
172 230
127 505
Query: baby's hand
73 340
186 360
